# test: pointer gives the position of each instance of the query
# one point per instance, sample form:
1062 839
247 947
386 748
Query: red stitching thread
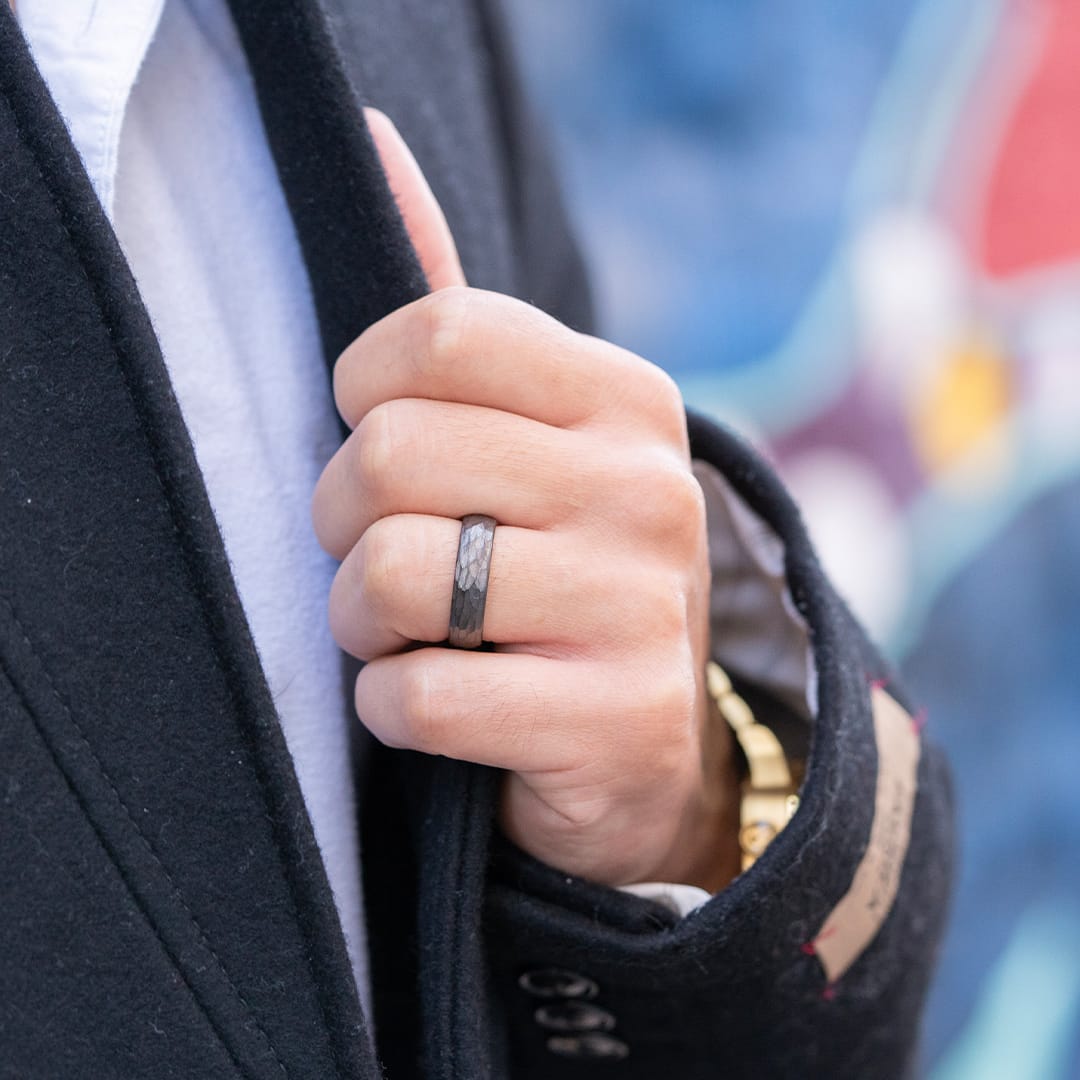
810 947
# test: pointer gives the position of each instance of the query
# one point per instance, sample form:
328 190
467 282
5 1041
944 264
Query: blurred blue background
853 231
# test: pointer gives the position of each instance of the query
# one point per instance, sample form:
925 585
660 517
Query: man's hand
468 402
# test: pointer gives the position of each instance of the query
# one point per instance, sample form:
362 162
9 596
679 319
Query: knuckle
676 695
665 390
341 610
680 502
345 387
667 501
668 410
448 313
662 392
380 569
419 719
376 446
667 616
683 497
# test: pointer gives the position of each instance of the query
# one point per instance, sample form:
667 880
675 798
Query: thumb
419 208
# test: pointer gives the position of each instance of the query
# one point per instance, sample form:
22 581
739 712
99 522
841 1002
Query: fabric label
852 924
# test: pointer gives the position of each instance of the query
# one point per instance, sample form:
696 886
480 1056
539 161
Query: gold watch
769 790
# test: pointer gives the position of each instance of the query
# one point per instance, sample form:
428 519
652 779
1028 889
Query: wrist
705 852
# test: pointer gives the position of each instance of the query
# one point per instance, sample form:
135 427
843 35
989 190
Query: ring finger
395 587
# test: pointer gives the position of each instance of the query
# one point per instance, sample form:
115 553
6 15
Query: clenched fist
593 700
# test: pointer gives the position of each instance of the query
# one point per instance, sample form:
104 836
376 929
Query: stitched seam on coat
119 353
113 858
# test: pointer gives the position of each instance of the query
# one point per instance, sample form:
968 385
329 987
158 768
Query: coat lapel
134 703
362 266
123 645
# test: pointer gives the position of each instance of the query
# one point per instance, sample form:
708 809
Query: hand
594 699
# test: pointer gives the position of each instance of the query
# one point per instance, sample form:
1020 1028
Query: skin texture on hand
593 700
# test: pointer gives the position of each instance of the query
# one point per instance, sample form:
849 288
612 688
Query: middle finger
412 456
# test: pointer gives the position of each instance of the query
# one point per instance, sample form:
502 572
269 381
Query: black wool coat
164 911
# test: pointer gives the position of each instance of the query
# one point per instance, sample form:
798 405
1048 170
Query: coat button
574 1016
557 983
593 1044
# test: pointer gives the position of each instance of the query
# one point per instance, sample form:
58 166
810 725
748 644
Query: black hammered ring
471 581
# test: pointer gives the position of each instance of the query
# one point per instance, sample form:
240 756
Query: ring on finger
469 597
